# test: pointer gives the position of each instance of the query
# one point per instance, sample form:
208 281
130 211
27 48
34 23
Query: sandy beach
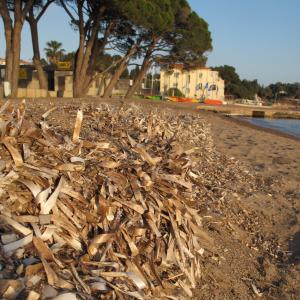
271 154
275 157
257 256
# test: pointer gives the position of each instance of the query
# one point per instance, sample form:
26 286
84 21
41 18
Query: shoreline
275 157
189 107
276 112
254 111
261 128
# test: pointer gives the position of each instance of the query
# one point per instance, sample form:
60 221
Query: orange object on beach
213 102
182 99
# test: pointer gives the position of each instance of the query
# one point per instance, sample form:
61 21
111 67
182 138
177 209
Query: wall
98 86
30 88
199 83
121 87
63 85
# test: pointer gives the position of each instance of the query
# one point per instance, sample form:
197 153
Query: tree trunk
88 80
114 79
139 78
36 52
16 50
86 55
116 76
13 40
8 54
84 77
79 53
84 66
145 67
81 78
88 75
8 30
93 50
77 62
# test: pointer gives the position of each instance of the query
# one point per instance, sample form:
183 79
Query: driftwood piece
77 126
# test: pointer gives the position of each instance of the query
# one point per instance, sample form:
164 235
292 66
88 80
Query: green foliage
105 60
39 4
267 93
66 57
244 89
54 51
228 74
189 40
175 92
247 89
179 33
70 57
155 16
285 90
297 93
133 73
192 39
125 74
44 62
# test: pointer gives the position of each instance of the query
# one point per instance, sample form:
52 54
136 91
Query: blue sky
259 37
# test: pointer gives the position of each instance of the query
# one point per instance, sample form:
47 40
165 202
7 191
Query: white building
200 83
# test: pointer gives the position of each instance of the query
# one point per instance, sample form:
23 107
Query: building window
2 74
176 75
200 75
189 79
213 87
175 85
198 86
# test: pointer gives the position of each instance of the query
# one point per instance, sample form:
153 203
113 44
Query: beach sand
274 208
275 157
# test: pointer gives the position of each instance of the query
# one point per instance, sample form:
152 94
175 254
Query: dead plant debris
115 217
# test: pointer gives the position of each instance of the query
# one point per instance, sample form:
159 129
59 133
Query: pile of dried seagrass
111 218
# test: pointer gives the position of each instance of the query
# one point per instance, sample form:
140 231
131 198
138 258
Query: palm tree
54 52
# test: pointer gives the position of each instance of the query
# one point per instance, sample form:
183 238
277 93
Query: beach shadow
294 248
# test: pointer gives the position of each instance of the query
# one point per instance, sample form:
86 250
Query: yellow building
201 83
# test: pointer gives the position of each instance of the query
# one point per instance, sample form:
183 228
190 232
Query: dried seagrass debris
112 216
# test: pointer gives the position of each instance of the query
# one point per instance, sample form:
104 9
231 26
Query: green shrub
175 92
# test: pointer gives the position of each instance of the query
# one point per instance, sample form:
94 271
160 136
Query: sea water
288 126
